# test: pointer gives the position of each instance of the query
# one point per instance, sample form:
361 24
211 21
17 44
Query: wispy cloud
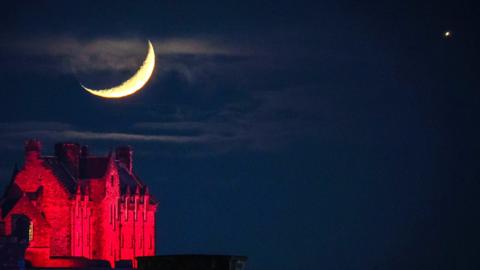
116 54
61 131
113 136
211 139
269 120
265 121
33 125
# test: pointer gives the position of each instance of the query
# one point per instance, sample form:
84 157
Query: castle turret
146 201
78 194
86 195
136 197
127 201
146 195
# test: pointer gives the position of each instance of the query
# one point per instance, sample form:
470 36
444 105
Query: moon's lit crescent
132 85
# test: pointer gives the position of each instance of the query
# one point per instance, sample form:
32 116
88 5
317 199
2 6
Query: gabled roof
61 172
92 167
89 167
10 198
27 202
127 179
130 180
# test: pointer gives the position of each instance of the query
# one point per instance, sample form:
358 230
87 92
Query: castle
74 208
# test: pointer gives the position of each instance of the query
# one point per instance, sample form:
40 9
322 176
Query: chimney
125 156
84 151
32 150
69 154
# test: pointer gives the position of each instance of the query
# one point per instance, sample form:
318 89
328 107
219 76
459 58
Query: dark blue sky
335 135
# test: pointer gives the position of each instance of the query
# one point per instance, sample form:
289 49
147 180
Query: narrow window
111 180
114 216
30 231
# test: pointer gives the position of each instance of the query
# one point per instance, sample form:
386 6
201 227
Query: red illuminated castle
74 208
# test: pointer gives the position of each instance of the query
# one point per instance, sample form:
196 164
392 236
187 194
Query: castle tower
79 209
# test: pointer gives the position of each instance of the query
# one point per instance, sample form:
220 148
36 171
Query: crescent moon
132 85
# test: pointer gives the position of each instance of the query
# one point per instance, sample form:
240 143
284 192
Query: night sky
335 135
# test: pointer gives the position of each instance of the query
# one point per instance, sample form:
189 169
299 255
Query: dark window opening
22 228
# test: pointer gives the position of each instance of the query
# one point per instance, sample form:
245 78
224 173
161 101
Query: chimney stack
69 154
32 150
84 151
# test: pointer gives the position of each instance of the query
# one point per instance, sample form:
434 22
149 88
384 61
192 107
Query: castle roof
74 167
91 167
10 198
61 172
